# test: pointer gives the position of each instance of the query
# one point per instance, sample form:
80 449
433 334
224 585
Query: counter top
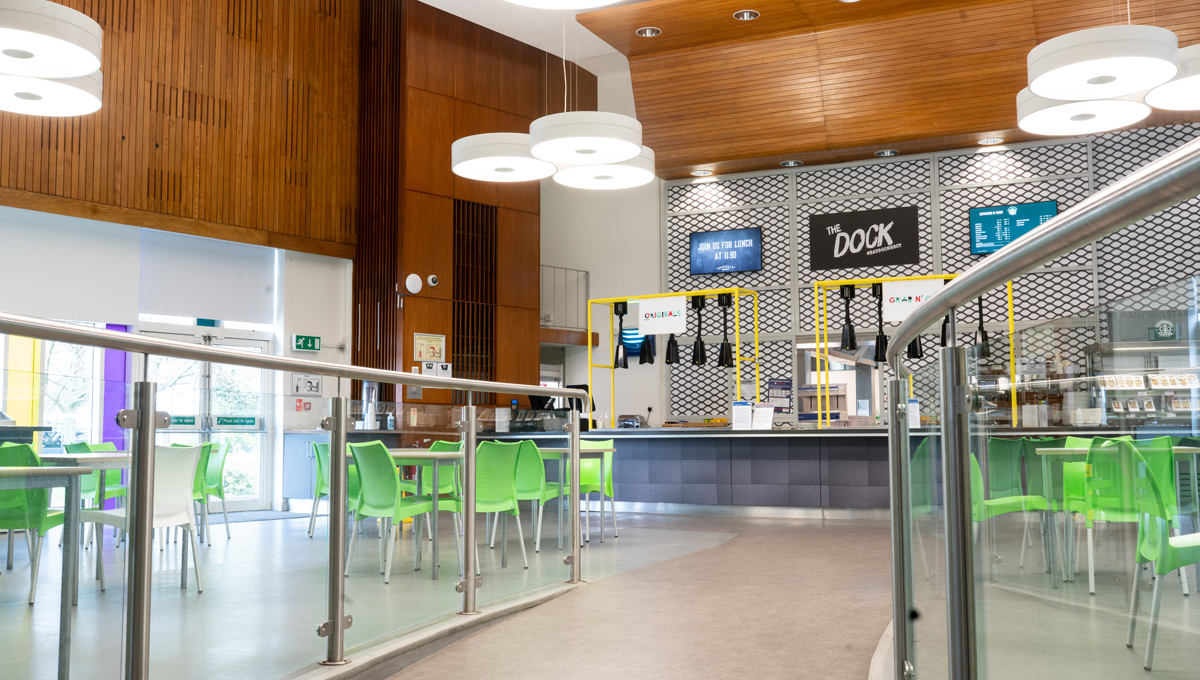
696 432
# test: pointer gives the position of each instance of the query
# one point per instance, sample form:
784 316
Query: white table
584 454
434 459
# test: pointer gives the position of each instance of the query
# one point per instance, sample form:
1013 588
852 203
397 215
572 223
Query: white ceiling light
701 173
1042 116
989 141
1105 62
497 157
563 4
1182 93
585 138
46 40
51 96
631 173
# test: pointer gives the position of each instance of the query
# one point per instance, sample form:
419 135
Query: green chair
496 490
113 487
922 495
379 496
214 484
589 481
321 484
1159 455
26 510
1005 493
87 486
449 489
198 491
1155 543
532 486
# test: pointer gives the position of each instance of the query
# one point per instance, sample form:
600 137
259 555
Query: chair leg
502 518
612 511
458 550
183 562
383 536
521 535
100 556
487 527
391 546
1155 601
1133 604
312 516
495 524
921 550
1024 538
1091 564
416 532
350 552
537 535
195 563
1183 573
12 546
588 504
207 528
35 562
225 512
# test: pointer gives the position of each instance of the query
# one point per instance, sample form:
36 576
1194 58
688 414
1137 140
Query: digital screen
720 252
995 227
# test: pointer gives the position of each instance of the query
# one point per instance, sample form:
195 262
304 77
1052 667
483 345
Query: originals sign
869 238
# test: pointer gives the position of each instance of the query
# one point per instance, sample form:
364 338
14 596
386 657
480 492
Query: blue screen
995 227
719 252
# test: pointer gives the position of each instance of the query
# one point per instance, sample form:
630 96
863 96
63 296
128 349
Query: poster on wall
659 316
429 347
867 238
732 250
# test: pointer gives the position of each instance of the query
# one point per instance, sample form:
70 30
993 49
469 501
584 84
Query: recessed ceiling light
701 173
649 32
884 153
746 15
988 141
849 0
792 164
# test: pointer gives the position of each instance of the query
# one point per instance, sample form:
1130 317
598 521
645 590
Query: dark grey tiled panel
760 494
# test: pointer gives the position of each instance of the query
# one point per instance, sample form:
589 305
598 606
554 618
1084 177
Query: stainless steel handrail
1159 185
44 329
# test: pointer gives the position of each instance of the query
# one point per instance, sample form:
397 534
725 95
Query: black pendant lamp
621 360
698 357
725 356
981 336
915 351
646 356
880 338
672 357
946 331
849 344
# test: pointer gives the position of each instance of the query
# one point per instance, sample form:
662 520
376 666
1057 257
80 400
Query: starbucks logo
1012 210
1164 328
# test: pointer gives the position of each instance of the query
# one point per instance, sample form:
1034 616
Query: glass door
222 404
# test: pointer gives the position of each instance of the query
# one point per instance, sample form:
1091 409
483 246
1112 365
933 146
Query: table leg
433 521
601 498
1195 493
416 527
562 497
70 575
1048 488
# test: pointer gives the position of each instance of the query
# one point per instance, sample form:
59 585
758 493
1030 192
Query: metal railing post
576 555
470 581
334 629
144 421
902 586
956 475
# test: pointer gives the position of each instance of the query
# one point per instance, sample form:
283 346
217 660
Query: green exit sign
237 421
306 343
183 421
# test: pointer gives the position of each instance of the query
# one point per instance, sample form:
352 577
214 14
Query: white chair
174 473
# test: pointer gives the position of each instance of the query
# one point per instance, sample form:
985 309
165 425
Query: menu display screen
720 252
995 227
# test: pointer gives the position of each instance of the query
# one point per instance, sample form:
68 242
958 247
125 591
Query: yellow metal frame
738 293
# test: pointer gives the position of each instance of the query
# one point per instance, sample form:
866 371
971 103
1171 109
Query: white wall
206 278
615 93
615 236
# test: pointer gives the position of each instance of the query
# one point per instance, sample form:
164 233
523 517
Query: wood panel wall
232 119
429 78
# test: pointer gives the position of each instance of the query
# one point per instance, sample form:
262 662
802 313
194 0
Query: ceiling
824 81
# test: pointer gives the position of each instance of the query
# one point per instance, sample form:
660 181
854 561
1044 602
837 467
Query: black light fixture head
621 360
725 354
646 355
881 340
621 308
849 342
915 351
672 357
724 300
621 356
698 355
881 345
946 331
981 336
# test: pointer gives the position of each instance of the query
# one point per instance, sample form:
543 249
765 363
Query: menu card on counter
743 415
764 414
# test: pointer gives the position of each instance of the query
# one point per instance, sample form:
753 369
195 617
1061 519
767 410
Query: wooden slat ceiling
824 81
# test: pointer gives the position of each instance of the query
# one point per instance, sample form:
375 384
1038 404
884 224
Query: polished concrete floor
784 598
1029 629
264 595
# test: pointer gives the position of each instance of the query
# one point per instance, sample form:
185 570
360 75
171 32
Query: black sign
869 238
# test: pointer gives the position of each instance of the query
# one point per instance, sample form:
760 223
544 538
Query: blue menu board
733 250
995 227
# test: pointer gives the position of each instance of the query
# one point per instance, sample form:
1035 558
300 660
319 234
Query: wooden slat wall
824 81
417 217
235 119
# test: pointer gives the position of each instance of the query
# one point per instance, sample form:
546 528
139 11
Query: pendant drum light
1182 93
849 343
672 357
626 175
51 97
725 355
881 339
1042 116
585 138
1104 62
981 336
621 359
946 331
497 157
42 39
698 356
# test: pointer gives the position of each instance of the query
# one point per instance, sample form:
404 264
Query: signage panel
721 252
237 422
428 347
662 315
995 227
900 298
867 238
306 343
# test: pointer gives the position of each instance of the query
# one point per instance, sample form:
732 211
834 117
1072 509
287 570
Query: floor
264 594
782 599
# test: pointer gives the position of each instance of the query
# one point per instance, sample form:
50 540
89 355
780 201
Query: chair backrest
447 482
77 447
496 473
111 477
103 446
591 467
921 481
174 479
201 466
531 471
1004 467
1112 466
1033 467
321 453
1159 455
976 490
214 472
21 508
378 478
